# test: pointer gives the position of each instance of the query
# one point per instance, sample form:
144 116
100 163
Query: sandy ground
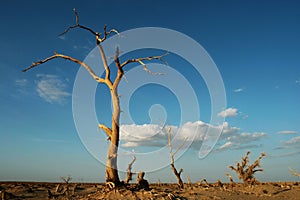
89 191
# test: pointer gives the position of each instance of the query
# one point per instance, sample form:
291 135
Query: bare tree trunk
112 154
177 174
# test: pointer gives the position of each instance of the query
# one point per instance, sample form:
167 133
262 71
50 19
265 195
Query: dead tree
203 182
246 171
294 172
231 182
112 83
66 181
177 173
129 173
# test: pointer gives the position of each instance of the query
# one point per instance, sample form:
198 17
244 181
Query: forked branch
141 61
98 35
120 70
77 25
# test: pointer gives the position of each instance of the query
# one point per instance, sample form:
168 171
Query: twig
98 38
294 172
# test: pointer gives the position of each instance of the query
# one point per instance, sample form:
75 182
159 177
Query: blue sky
255 45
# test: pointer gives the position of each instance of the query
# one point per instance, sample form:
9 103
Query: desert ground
91 191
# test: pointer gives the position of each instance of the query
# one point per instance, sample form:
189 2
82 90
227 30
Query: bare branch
57 55
294 172
140 60
170 145
104 61
66 179
77 25
98 35
130 164
107 33
120 70
258 170
180 171
129 173
107 130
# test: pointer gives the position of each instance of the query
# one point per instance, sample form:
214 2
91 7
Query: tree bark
112 154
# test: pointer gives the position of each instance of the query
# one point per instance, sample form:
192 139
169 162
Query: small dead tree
246 171
66 181
129 173
177 173
231 182
294 172
203 182
113 132
189 180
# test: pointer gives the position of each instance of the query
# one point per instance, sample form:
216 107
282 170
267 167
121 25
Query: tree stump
142 183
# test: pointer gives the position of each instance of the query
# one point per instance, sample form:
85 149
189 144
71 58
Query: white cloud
238 90
21 85
21 82
229 112
242 141
287 132
285 154
225 146
152 135
292 143
245 138
51 88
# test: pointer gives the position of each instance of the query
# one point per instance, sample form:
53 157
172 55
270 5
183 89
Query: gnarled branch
98 35
77 25
57 55
140 60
